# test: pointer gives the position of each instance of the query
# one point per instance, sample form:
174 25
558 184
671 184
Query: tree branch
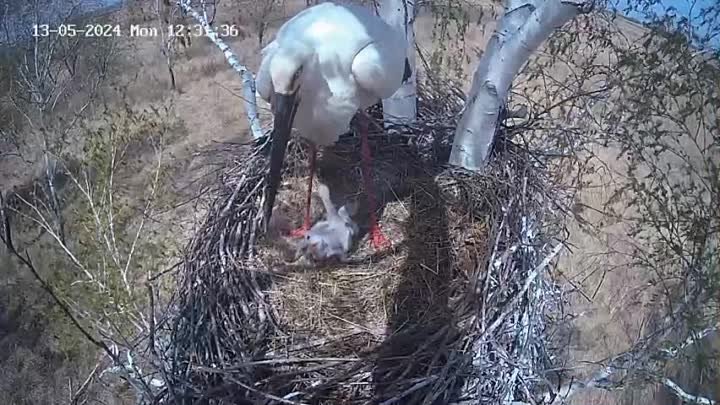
520 32
27 262
248 81
684 396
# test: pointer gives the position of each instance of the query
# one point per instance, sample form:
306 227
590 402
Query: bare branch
27 262
248 81
684 396
80 392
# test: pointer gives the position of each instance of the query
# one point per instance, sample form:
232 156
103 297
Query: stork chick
331 237
327 63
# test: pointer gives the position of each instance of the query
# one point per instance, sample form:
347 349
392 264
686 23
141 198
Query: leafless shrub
105 273
53 81
647 97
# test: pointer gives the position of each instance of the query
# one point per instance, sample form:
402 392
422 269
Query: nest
456 312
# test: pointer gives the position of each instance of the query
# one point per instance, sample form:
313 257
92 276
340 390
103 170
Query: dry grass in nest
455 311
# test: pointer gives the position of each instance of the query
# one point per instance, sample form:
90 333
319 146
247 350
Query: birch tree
167 42
48 72
401 107
198 13
520 31
261 14
645 96
661 116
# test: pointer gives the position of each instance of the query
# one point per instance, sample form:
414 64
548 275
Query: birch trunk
248 81
401 107
520 31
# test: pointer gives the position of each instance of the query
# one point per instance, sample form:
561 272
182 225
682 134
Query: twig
684 396
692 339
267 395
509 307
80 391
276 362
27 262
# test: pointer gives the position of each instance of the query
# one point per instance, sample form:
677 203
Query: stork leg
300 232
377 238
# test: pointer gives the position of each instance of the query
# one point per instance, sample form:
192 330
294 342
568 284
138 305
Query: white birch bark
401 107
248 81
685 396
520 31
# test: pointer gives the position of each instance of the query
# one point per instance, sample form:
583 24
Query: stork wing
379 67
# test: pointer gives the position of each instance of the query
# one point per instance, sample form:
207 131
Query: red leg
378 240
306 221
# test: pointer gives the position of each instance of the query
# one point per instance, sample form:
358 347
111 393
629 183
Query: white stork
327 63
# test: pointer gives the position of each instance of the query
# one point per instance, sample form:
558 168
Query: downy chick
331 237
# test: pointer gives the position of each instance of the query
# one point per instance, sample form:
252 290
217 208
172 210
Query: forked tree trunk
520 31
401 107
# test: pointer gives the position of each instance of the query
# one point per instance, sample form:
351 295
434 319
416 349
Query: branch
145 214
573 387
75 397
599 381
27 262
526 286
520 32
691 340
166 44
44 224
7 234
684 396
604 378
248 81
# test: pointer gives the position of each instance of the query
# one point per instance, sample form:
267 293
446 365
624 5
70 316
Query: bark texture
248 81
520 31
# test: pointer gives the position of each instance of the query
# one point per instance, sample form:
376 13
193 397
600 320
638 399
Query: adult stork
326 64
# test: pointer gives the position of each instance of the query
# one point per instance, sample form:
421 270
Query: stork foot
378 240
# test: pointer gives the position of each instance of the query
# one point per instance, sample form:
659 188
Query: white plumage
325 64
350 59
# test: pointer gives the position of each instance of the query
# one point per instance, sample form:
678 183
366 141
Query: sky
684 8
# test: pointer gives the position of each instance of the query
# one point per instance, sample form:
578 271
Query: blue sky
690 9
684 8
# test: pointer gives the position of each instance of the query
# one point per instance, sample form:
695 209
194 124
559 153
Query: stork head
286 69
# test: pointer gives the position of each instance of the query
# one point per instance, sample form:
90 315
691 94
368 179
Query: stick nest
456 312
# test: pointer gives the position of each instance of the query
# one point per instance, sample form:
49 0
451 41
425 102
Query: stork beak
407 73
285 106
